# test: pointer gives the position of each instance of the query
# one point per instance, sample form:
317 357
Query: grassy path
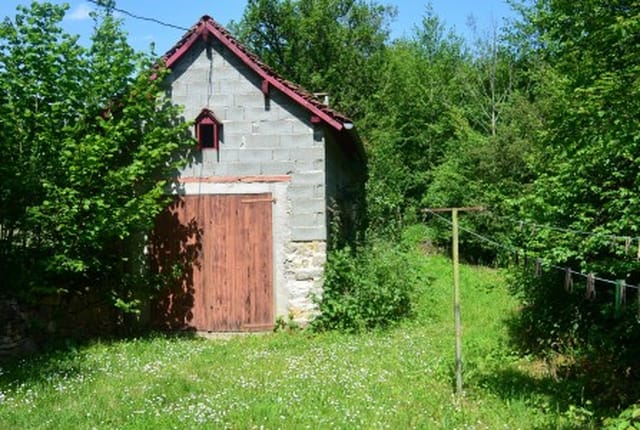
398 379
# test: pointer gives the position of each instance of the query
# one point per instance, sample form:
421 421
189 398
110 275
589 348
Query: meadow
397 378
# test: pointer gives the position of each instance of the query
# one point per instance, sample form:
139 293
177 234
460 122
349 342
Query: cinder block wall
262 136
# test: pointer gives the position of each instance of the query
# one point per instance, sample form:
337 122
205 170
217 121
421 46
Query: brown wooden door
231 275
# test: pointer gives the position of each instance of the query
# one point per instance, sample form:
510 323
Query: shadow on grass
66 358
543 392
513 383
592 379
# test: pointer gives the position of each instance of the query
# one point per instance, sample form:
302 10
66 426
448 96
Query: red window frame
208 130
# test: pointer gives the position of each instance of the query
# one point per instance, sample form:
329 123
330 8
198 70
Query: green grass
400 378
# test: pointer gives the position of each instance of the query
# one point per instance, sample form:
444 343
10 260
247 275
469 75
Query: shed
245 241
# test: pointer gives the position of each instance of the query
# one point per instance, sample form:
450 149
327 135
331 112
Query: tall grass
399 378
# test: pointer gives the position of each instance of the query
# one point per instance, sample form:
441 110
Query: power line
139 17
477 235
515 249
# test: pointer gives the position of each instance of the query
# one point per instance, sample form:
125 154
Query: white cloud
80 13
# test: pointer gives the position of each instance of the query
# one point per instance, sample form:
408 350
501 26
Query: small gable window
208 130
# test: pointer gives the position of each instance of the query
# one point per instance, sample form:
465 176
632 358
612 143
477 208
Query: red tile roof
207 26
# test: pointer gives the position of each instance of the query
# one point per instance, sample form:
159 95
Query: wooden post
456 287
456 302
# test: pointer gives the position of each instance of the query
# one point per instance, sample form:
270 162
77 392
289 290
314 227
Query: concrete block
179 89
308 206
255 155
229 154
312 154
281 155
304 165
279 112
249 101
243 169
234 113
189 171
309 177
322 219
258 113
237 86
199 88
267 141
223 73
182 100
210 156
221 169
305 220
277 168
211 169
275 127
237 128
195 100
308 233
263 141
302 127
301 192
292 108
295 141
221 101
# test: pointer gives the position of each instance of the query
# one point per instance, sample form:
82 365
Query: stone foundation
304 265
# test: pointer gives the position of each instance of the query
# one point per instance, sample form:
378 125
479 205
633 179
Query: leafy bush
599 346
628 419
368 287
90 143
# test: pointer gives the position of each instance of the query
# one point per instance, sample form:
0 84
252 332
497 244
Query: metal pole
456 302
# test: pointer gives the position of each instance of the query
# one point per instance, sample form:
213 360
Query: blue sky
184 13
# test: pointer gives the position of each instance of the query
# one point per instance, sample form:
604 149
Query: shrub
628 419
368 287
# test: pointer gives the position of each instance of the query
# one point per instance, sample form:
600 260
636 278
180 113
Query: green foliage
313 43
368 287
628 419
586 180
89 142
599 348
484 162
286 325
409 123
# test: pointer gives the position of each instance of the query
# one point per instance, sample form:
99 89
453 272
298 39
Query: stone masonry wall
304 276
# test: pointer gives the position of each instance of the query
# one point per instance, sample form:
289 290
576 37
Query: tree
329 46
89 143
586 180
410 123
496 126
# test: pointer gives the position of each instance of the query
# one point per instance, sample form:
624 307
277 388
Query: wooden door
229 281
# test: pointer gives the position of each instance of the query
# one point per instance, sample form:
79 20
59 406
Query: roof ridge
207 25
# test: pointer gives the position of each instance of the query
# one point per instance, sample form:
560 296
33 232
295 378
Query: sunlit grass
401 378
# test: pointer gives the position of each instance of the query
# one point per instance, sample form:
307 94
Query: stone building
246 239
